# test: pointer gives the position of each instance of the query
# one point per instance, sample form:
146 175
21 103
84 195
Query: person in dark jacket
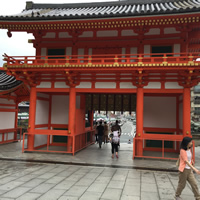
100 131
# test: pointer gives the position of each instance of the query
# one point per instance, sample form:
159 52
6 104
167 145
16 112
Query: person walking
100 131
117 127
105 138
114 143
186 169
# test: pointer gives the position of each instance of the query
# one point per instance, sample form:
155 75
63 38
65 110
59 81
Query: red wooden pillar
32 110
72 117
139 121
16 120
186 112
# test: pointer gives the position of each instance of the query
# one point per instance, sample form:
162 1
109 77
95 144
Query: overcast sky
18 45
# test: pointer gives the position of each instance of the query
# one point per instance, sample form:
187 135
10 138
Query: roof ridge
31 5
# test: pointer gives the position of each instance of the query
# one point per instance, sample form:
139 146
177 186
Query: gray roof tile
8 82
104 9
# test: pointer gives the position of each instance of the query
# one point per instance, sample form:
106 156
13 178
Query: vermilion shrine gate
145 49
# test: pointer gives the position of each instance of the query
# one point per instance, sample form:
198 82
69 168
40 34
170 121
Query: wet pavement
29 181
90 174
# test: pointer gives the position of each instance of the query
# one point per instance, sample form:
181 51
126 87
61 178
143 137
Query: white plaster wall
181 115
172 85
60 109
7 120
78 102
170 30
84 85
40 140
177 49
43 51
6 101
44 85
42 112
105 85
64 35
127 85
86 34
147 50
68 51
153 85
128 33
61 85
160 112
153 31
50 35
107 33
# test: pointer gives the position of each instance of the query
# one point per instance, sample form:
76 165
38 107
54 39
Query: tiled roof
104 9
8 82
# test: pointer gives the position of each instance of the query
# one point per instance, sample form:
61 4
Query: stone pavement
90 174
29 181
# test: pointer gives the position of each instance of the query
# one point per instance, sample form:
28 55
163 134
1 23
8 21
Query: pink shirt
183 158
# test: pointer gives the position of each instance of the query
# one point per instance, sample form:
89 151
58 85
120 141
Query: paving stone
42 188
145 187
2 191
27 177
126 197
64 185
55 179
91 195
15 193
119 177
52 194
46 175
131 190
84 182
149 196
164 184
112 194
92 176
76 191
116 184
132 182
68 198
11 185
103 180
134 174
29 196
166 193
97 187
33 183
74 177
7 179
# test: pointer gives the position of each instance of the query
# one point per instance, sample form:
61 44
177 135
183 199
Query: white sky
18 45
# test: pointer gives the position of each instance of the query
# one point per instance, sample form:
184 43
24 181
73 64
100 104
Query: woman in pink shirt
186 169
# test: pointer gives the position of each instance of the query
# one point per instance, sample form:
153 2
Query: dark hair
105 122
117 122
185 142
